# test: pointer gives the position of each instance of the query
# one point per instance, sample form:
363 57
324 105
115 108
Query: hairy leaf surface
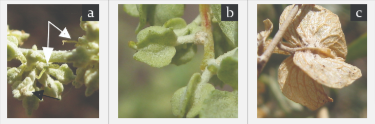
220 104
228 27
156 55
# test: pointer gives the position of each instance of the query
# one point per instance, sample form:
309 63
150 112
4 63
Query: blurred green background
348 102
33 19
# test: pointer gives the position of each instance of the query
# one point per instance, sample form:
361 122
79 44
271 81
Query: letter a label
90 12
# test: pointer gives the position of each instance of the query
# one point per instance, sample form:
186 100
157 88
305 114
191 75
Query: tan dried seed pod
320 50
299 87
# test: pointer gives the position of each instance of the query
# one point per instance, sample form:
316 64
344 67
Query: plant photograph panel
176 60
67 86
312 62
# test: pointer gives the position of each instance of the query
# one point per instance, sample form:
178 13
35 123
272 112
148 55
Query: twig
209 53
56 56
286 48
263 59
185 39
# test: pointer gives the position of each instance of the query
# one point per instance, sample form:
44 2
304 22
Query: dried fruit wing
263 42
331 72
262 36
299 87
315 26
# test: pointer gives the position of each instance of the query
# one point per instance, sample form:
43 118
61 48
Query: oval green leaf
182 96
228 71
131 9
185 53
156 35
220 104
155 55
175 23
163 12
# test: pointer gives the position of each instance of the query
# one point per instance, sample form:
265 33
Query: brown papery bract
315 27
320 49
299 87
331 72
263 42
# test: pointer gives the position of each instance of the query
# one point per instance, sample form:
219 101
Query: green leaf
12 50
142 9
185 53
13 75
92 31
24 88
358 48
221 41
13 39
79 81
178 102
189 29
80 57
155 14
20 35
33 56
163 12
54 89
91 81
156 46
216 81
175 23
64 74
220 104
189 99
131 9
236 34
155 55
200 95
182 96
156 35
228 27
228 71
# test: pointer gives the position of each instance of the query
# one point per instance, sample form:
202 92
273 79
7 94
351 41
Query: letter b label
229 12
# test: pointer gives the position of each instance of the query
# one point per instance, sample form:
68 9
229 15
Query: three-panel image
185 61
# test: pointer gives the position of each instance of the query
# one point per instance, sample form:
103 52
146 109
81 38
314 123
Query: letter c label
357 14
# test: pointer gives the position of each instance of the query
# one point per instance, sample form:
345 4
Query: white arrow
48 50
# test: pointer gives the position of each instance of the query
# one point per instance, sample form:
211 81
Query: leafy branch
175 42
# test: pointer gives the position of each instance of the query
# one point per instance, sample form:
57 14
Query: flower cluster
34 74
